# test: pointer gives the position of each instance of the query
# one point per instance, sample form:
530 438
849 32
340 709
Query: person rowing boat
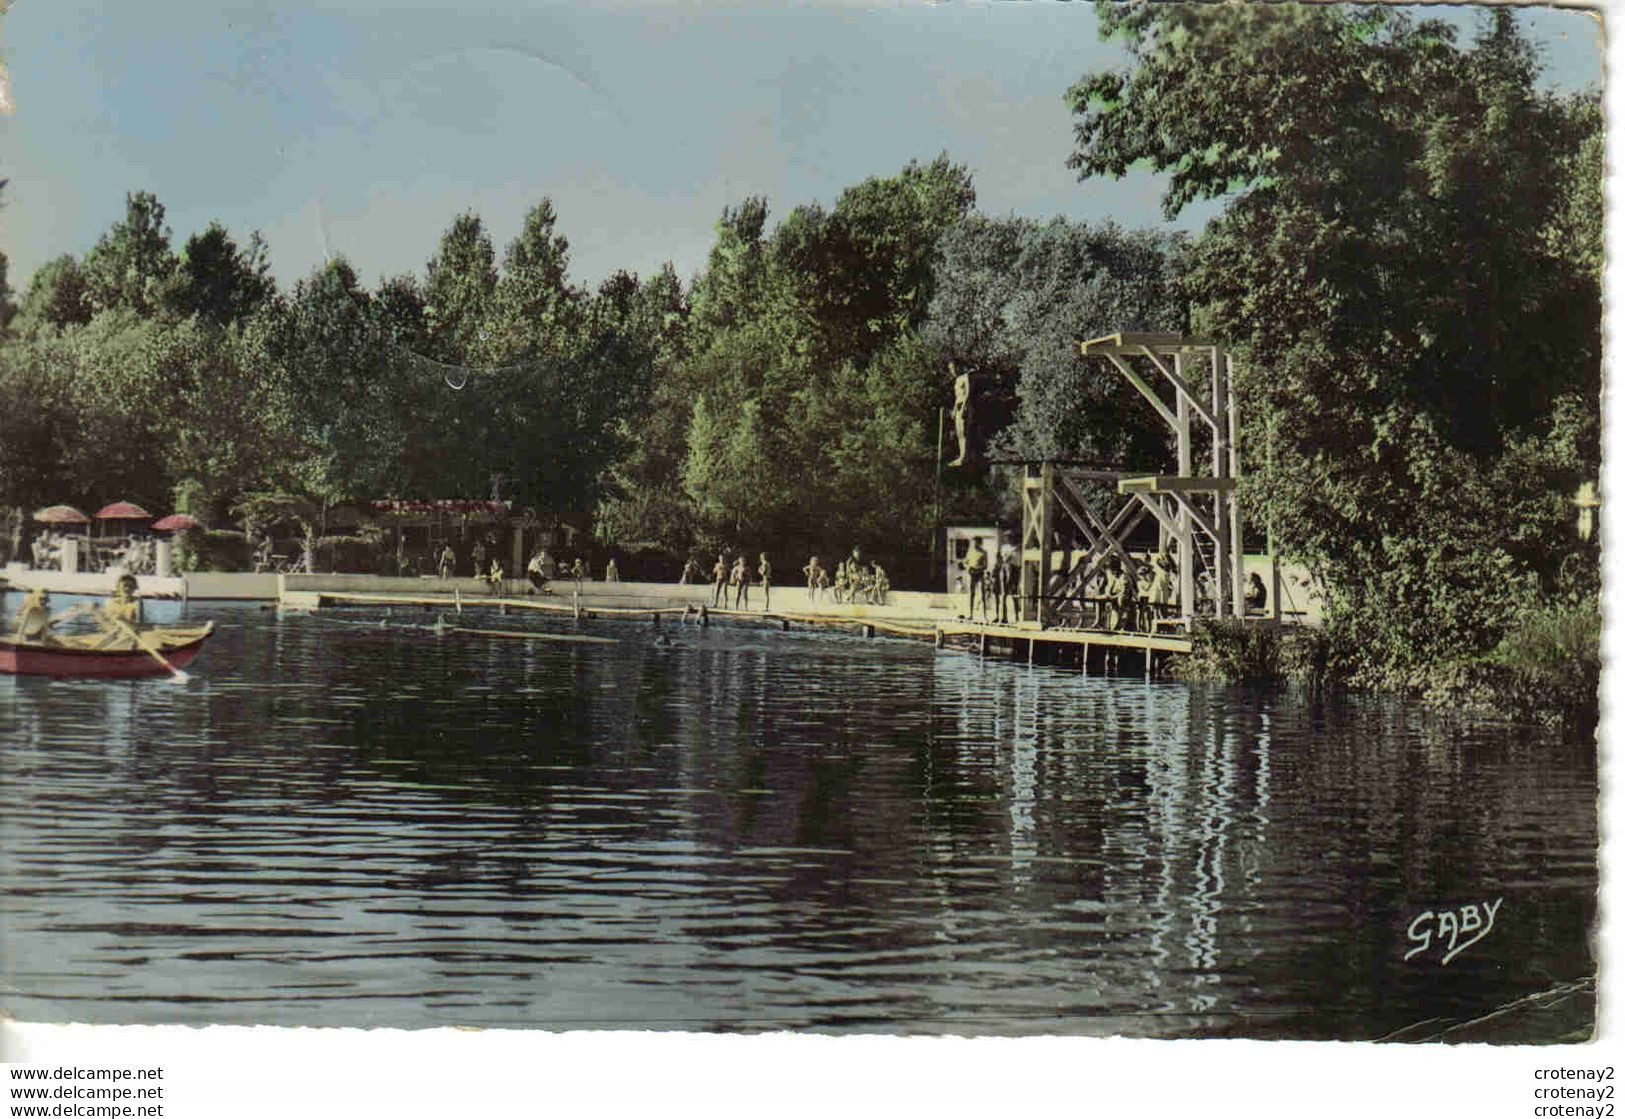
121 615
117 620
34 619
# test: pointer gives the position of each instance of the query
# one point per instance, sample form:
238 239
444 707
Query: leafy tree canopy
1406 263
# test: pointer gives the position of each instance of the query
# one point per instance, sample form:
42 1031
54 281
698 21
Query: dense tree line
1407 266
788 397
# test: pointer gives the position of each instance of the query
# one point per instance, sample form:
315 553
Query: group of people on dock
544 569
854 581
992 581
735 579
1122 598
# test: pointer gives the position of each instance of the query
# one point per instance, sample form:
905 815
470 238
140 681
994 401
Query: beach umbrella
61 515
123 511
176 522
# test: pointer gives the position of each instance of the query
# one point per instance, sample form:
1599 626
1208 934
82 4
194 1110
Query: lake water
343 821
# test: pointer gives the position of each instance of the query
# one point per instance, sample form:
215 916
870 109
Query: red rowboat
76 655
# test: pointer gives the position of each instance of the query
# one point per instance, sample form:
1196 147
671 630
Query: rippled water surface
344 821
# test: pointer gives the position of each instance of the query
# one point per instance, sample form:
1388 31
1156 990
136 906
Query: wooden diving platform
1176 483
1136 342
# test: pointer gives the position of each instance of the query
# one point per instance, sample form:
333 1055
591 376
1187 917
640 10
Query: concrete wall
242 585
88 583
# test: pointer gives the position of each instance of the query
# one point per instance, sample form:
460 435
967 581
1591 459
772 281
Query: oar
179 676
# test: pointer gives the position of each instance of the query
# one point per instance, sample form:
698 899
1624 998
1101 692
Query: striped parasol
61 515
123 511
176 522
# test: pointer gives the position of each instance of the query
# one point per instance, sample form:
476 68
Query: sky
359 128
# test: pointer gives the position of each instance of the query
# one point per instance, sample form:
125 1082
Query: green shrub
218 550
1230 651
360 553
1552 661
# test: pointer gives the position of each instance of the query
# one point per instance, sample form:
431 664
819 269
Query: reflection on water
345 821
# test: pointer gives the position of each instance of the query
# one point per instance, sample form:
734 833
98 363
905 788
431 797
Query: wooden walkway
1155 642
1106 651
868 627
1110 650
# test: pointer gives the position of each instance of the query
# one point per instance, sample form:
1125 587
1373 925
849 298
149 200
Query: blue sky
363 128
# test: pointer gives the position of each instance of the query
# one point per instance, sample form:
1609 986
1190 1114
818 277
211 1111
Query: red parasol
61 515
176 522
123 511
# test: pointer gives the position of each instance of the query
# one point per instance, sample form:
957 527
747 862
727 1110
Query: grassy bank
1546 669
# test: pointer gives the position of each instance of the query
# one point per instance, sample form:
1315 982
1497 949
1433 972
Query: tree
1397 269
217 281
645 504
8 304
799 356
535 312
1014 296
729 290
457 295
357 419
58 296
132 263
38 426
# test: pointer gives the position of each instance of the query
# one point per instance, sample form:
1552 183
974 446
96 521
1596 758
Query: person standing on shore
814 572
612 574
741 582
448 562
764 572
478 555
719 582
976 569
536 572
1004 579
